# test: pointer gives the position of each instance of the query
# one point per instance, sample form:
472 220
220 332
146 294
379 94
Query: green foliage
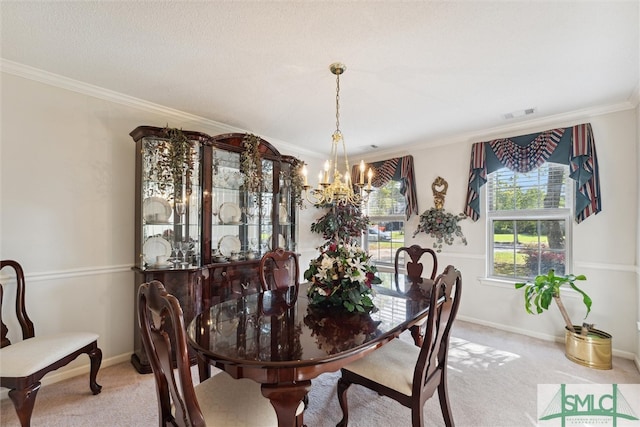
545 287
441 225
251 163
342 223
174 162
294 176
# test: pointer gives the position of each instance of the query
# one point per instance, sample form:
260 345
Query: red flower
370 276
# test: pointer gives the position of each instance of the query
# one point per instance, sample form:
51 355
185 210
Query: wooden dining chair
279 269
414 269
218 401
406 373
24 363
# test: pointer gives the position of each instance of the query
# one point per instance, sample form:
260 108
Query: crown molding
520 128
56 80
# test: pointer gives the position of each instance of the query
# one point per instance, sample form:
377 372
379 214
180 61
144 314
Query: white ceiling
416 71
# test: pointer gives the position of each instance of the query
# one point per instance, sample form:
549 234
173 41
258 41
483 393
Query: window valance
396 169
573 146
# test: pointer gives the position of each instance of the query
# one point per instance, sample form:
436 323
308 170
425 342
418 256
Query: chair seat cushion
33 354
392 365
228 402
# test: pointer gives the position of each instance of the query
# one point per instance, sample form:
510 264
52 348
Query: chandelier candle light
338 189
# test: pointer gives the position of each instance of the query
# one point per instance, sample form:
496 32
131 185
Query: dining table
280 341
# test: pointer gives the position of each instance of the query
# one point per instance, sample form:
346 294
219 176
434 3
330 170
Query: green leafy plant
545 288
441 225
342 223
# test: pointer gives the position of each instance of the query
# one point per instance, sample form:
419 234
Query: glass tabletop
278 328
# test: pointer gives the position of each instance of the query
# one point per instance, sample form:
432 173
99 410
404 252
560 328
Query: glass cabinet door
171 203
286 210
228 210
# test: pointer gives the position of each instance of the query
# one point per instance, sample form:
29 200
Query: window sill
500 283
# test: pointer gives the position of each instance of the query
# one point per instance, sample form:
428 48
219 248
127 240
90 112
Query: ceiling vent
519 113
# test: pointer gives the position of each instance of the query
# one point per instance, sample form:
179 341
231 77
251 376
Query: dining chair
406 373
279 269
25 362
218 401
414 269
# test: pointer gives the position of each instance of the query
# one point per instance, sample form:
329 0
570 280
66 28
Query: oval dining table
276 339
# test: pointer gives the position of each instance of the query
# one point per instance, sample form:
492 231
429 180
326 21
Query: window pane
385 235
526 248
529 215
542 188
382 243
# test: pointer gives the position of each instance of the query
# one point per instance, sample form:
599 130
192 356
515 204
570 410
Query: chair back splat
414 269
413 266
25 362
406 373
279 269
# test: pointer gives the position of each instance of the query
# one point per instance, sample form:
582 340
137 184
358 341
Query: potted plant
584 344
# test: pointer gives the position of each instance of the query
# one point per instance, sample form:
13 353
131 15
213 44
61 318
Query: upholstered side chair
406 373
25 362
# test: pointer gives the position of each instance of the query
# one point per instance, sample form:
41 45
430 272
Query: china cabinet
207 208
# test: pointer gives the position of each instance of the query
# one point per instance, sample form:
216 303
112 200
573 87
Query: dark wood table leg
204 369
285 399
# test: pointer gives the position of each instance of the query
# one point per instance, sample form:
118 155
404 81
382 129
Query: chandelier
335 187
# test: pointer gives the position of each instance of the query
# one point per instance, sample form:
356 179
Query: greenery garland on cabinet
174 163
251 163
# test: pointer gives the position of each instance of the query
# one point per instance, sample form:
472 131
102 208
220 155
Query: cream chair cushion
26 357
392 365
219 399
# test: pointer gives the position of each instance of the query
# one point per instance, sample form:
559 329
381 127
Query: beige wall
67 200
604 246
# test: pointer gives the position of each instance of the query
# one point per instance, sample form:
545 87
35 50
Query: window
529 221
386 212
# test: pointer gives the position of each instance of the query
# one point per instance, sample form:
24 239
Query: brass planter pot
592 350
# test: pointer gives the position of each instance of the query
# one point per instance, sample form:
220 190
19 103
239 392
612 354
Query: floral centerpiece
441 225
341 276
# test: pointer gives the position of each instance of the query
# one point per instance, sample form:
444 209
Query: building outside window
529 221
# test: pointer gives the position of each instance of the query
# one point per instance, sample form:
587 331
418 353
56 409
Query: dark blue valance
573 146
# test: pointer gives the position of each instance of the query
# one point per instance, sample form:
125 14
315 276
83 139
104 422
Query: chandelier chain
337 102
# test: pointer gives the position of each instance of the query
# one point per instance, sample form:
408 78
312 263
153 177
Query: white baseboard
618 353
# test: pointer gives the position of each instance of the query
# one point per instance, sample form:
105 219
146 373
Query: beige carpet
493 377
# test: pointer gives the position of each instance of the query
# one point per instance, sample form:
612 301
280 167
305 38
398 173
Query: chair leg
343 386
95 356
443 396
23 402
417 415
